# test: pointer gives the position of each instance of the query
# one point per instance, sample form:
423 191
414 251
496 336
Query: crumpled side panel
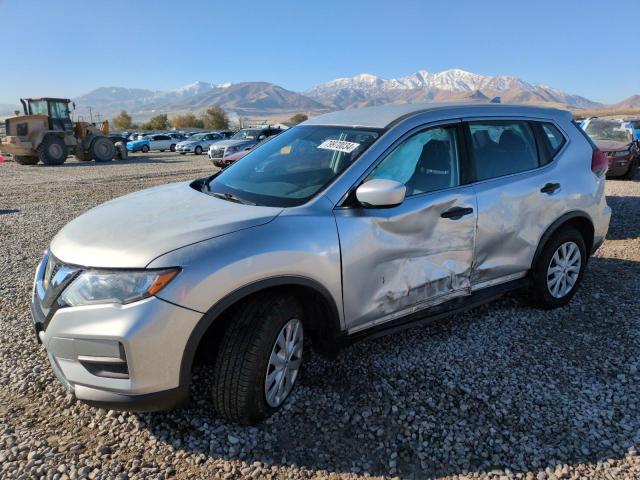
395 260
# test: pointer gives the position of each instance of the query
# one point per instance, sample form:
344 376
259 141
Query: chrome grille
217 153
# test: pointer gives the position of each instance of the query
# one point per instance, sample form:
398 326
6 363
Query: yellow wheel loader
46 133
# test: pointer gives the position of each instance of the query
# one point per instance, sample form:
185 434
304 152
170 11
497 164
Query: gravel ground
503 391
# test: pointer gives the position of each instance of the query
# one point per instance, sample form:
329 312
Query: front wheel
145 149
172 147
103 149
198 150
559 269
259 358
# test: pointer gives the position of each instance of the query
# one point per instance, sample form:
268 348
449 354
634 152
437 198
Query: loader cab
57 109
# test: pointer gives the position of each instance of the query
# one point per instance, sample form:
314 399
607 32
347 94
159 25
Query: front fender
298 245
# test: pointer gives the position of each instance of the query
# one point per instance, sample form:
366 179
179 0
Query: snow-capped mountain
367 89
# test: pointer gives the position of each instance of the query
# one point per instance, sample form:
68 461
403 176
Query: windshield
608 130
197 136
292 167
38 107
246 135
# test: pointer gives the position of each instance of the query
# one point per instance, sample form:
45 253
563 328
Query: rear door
399 260
519 191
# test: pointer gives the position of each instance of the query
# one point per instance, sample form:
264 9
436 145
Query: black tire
145 149
53 150
121 151
172 147
238 387
103 149
198 150
540 289
26 160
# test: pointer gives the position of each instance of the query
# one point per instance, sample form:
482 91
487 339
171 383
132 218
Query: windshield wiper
231 197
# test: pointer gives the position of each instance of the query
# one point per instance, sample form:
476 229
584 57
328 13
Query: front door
399 260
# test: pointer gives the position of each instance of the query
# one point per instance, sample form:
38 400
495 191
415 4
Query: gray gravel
504 391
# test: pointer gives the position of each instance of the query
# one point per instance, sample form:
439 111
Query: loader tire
121 151
26 160
103 149
53 150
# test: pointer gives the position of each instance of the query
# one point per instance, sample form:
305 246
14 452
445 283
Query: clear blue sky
69 47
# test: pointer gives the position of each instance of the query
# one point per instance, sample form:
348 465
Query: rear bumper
14 146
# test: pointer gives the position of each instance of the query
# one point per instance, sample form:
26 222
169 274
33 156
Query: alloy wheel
284 363
564 269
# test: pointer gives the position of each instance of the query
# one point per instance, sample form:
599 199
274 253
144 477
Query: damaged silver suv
349 225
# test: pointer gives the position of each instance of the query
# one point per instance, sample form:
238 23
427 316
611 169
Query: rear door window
502 147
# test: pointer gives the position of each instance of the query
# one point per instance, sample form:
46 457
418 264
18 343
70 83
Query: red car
617 140
234 157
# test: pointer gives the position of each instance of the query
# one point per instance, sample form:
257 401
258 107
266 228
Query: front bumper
619 167
147 338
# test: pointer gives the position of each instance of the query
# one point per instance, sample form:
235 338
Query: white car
161 142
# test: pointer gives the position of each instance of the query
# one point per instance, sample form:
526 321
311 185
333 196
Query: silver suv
351 224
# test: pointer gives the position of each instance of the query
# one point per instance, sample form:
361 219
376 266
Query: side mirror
261 137
381 193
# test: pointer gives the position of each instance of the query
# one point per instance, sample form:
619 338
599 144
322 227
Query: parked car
349 225
240 140
160 142
234 157
617 139
200 142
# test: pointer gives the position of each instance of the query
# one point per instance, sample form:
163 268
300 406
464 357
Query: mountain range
263 99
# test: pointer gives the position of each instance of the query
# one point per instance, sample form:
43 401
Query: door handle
550 188
456 213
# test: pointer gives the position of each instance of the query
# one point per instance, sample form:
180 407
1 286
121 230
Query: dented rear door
396 261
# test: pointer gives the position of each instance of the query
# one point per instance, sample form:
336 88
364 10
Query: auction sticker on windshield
339 145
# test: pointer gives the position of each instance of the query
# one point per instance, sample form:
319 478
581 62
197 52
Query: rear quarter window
551 142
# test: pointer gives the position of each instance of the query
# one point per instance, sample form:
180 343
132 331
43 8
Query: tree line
214 118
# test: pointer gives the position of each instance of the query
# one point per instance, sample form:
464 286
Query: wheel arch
321 308
579 220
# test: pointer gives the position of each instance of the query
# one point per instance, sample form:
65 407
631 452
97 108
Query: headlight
101 286
622 153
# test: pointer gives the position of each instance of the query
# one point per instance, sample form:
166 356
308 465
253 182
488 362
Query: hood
234 157
186 143
232 143
611 145
131 231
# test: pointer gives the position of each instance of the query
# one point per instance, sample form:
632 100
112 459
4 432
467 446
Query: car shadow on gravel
504 386
627 225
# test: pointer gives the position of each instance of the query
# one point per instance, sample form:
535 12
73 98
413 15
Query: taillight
599 163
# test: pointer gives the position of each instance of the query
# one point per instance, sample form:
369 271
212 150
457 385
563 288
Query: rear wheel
259 358
53 150
198 150
559 268
103 149
26 160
